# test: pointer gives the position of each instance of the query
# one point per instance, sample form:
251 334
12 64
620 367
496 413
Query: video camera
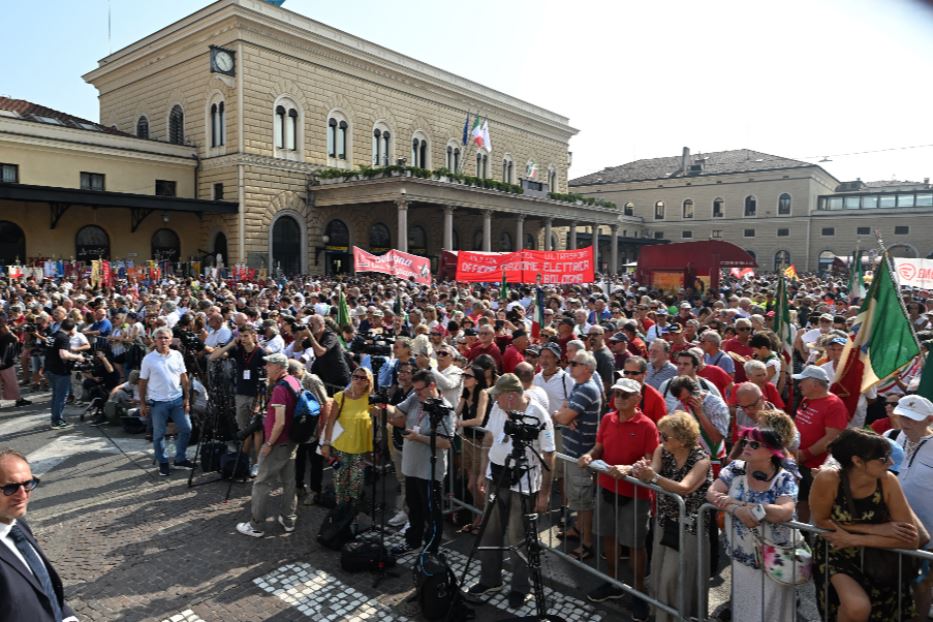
188 340
374 344
519 428
379 398
436 409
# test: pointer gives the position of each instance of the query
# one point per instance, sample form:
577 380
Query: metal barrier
454 499
703 575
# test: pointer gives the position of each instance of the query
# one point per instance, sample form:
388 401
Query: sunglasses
752 444
629 372
355 377
11 489
886 459
436 335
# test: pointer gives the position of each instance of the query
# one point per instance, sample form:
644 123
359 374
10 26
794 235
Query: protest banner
525 266
398 264
914 272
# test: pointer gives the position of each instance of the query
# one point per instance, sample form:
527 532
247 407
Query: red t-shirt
720 379
625 442
773 395
680 347
637 347
652 403
492 350
510 359
814 417
734 345
880 426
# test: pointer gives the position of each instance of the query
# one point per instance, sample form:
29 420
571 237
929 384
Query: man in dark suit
29 587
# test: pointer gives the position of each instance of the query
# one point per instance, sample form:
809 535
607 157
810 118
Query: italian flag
476 133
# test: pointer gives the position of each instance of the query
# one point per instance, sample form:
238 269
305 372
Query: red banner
554 267
396 263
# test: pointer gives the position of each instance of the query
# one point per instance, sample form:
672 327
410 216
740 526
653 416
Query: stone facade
284 59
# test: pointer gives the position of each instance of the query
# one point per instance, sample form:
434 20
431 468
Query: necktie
38 568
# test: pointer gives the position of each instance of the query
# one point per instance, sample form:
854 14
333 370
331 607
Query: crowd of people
644 395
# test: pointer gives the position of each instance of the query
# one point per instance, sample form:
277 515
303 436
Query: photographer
58 361
101 376
514 412
248 357
424 412
9 346
330 364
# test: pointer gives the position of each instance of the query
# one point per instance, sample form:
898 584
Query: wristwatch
654 480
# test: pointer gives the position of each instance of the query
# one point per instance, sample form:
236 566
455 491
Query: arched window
752 253
286 246
659 210
552 179
751 206
142 127
286 127
482 164
781 260
629 209
508 168
338 236
382 144
784 205
217 125
688 209
338 136
165 245
92 242
420 150
220 247
505 242
417 240
826 261
176 125
530 242
380 240
12 243
718 206
453 156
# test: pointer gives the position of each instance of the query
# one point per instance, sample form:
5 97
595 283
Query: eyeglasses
886 459
629 372
747 406
664 437
11 489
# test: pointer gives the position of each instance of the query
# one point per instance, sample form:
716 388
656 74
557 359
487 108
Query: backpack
307 413
363 556
234 465
337 528
438 593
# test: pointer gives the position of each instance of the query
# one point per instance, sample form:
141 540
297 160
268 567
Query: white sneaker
288 528
399 519
247 530
254 471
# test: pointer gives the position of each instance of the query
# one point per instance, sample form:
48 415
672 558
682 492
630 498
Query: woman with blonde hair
680 466
355 440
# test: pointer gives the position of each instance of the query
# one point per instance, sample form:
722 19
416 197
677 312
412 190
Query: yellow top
357 424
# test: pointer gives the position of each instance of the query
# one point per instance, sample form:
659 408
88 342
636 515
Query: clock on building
222 61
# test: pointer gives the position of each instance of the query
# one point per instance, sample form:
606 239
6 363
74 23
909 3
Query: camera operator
101 377
9 347
512 407
248 357
421 413
58 362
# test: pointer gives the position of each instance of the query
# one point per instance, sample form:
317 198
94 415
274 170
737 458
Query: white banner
914 272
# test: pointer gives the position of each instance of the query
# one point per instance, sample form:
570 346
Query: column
402 206
573 235
520 233
448 227
595 238
487 230
614 252
548 223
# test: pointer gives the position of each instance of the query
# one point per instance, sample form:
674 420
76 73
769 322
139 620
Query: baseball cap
914 407
553 348
839 340
675 328
507 383
826 316
626 385
616 338
662 311
812 371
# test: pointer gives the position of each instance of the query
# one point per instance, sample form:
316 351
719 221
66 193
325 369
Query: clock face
223 60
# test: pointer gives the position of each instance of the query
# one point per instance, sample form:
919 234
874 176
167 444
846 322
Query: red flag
848 384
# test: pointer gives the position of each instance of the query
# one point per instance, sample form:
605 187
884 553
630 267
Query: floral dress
884 601
668 510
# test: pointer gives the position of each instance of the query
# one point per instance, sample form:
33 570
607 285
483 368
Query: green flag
884 339
926 381
343 312
782 326
504 289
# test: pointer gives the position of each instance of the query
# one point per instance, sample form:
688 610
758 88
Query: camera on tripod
189 341
374 344
255 425
379 398
436 409
517 426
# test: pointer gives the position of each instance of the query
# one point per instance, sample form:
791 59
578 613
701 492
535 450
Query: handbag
880 566
785 564
670 535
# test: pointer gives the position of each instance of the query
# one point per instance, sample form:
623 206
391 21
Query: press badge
246 375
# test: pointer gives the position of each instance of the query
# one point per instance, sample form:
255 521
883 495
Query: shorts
472 457
578 487
626 518
36 362
244 410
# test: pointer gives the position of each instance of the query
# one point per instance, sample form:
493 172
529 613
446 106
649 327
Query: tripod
216 421
510 476
383 558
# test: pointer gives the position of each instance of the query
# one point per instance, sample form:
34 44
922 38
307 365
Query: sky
846 81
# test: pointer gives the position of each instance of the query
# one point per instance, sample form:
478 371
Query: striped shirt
586 400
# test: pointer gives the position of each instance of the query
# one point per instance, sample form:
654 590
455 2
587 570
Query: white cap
914 407
813 371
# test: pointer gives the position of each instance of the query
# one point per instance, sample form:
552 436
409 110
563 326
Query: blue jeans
161 412
61 386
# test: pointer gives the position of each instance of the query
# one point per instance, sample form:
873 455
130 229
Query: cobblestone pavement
132 546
